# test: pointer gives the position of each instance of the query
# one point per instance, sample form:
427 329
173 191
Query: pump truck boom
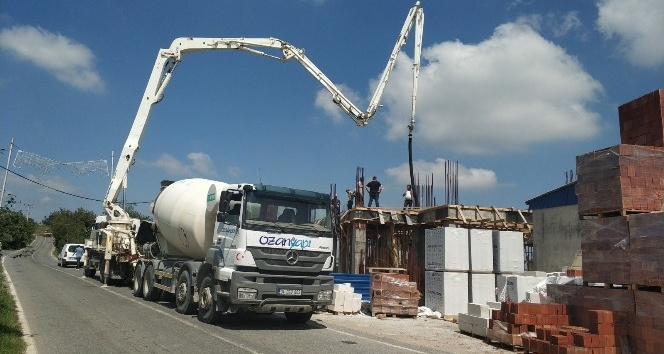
221 245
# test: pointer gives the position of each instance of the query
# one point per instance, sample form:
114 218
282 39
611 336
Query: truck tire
150 293
207 306
184 300
138 281
89 272
298 317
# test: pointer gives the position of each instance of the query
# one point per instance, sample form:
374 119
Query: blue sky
512 90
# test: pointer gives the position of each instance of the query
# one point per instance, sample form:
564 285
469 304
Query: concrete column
359 243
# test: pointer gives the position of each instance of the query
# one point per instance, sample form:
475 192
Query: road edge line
25 328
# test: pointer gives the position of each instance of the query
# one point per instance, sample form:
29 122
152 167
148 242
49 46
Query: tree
133 213
70 226
15 230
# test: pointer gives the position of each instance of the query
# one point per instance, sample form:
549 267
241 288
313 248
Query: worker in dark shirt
374 187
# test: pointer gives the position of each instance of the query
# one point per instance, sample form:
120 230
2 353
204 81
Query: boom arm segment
168 59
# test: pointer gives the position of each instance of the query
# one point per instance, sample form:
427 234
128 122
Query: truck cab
273 251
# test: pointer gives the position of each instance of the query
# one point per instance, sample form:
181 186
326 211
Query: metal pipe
4 182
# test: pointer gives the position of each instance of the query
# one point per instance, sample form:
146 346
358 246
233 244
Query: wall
556 237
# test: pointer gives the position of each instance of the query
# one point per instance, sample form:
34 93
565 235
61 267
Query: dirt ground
434 333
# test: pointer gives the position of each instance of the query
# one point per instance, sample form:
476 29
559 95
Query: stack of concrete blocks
508 265
459 268
476 320
345 300
515 287
508 255
446 270
535 297
481 278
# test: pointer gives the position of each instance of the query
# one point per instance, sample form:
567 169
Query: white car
67 255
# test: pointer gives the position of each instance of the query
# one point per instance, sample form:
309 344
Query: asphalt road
67 312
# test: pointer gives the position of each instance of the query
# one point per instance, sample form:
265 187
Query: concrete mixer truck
231 247
223 247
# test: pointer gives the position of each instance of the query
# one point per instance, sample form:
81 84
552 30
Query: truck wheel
184 301
150 293
298 317
89 272
138 281
207 307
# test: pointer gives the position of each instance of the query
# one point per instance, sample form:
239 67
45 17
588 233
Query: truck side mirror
224 201
221 216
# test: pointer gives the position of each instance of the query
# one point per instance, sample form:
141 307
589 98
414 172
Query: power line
61 191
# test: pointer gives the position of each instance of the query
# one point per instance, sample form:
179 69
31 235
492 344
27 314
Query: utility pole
27 216
4 182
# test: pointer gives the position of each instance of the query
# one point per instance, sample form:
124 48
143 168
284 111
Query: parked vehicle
66 256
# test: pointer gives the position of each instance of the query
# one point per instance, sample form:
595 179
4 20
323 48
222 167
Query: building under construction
394 238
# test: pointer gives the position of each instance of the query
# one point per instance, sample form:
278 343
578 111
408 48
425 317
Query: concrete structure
395 238
556 235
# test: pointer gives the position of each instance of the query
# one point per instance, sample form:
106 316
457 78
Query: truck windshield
272 211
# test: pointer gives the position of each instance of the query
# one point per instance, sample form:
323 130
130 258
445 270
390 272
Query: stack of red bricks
620 178
641 120
646 332
547 329
600 336
574 272
508 324
621 199
639 314
605 248
629 176
393 294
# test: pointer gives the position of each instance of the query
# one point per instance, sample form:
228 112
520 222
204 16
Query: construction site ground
441 336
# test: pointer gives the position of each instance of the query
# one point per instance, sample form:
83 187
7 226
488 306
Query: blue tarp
360 282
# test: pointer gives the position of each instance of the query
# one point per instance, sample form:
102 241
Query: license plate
289 292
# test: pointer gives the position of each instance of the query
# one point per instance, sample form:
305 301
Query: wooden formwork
394 238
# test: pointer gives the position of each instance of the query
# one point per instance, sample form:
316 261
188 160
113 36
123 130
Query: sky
513 91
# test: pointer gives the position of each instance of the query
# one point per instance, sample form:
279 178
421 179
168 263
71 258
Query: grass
11 335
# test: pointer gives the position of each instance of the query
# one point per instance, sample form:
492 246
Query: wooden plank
386 270
409 221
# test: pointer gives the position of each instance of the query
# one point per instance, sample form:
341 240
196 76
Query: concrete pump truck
224 247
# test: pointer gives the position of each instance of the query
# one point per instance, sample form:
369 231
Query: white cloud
570 22
234 171
469 178
171 165
324 101
68 61
509 92
54 182
58 183
200 165
639 26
